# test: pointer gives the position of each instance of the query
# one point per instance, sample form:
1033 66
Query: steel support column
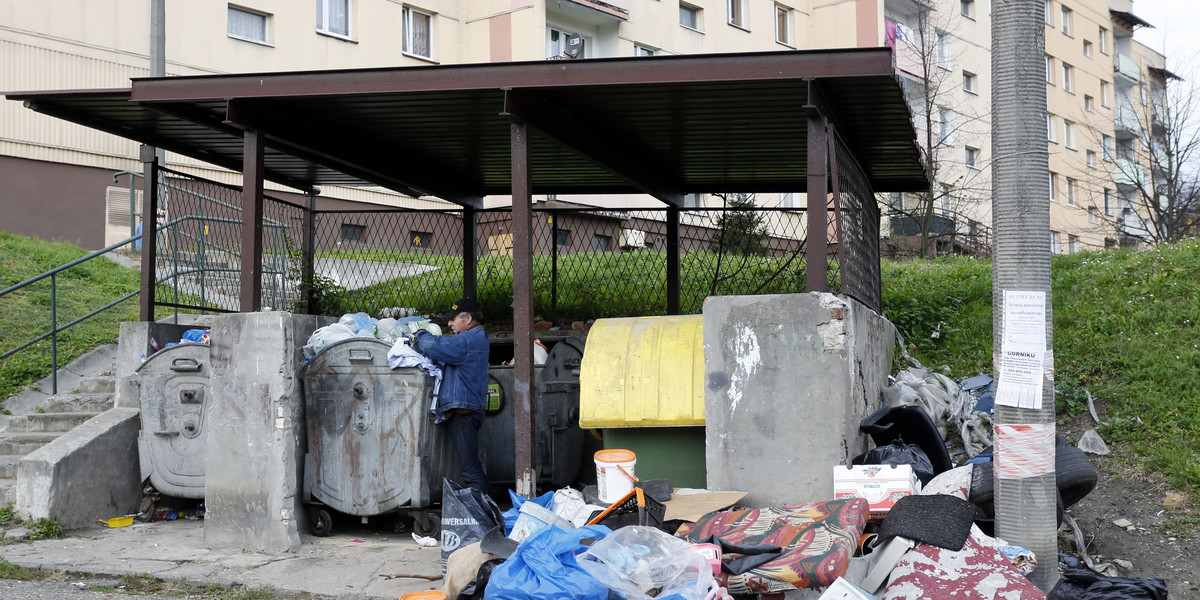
252 217
818 210
522 228
673 307
470 253
308 247
150 190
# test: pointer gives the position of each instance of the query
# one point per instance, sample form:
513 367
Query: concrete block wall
253 479
788 379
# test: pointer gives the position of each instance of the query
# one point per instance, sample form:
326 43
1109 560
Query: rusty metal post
252 216
470 253
150 185
522 228
818 211
673 306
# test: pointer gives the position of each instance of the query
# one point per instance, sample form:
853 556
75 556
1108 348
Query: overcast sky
1176 33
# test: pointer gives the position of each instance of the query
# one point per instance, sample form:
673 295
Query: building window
689 16
783 25
1071 186
1087 48
1104 85
600 243
352 233
1091 159
333 17
943 50
420 239
1068 77
947 196
1051 133
1069 133
562 237
946 125
967 7
418 33
563 44
969 80
972 159
1055 248
790 200
640 50
737 12
1049 70
693 201
1142 93
1106 147
1072 244
1088 103
1066 20
1053 186
1048 14
1091 214
248 25
1103 41
1108 195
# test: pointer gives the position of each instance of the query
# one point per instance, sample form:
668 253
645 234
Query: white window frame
1055 244
1142 93
946 125
1048 14
1051 128
1089 103
325 10
1072 244
1091 214
1072 188
969 80
264 18
971 158
1087 48
1053 186
1103 41
942 49
1108 204
1066 21
694 13
1049 69
783 26
409 48
967 8
735 11
1106 147
558 48
1091 158
1104 85
1068 78
1069 134
640 50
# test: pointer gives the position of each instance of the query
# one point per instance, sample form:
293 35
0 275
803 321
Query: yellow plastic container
643 372
115 522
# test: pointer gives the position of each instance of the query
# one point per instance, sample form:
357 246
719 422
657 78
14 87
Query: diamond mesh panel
856 228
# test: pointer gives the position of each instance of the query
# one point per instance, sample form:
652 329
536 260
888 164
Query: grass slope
1124 329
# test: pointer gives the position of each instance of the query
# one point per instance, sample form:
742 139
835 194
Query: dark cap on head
464 305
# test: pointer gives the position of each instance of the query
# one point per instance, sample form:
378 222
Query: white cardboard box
881 485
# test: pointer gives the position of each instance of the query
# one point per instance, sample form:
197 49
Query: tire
321 521
1074 475
427 523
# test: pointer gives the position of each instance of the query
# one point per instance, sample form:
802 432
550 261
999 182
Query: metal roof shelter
663 126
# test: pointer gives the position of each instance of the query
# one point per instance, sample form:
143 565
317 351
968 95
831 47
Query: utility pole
1022 331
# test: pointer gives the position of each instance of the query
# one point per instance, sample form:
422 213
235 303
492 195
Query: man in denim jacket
464 384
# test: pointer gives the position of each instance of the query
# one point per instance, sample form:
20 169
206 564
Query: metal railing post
53 334
553 266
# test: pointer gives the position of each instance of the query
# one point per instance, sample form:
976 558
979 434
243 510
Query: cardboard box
841 589
880 485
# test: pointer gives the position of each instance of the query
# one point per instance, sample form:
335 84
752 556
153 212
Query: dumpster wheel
427 523
321 521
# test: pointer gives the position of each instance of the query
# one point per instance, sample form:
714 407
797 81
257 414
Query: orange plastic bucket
430 595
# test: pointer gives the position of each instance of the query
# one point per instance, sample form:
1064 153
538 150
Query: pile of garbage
361 325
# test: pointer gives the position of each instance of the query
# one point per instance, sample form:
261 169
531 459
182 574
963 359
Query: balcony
908 60
1127 120
1162 163
1128 173
1126 67
614 8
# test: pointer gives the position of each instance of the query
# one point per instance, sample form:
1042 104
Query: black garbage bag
467 515
1078 583
475 589
899 453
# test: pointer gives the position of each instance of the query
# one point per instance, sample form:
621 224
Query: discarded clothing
403 355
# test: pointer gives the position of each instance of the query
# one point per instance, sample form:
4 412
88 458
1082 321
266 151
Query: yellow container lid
615 455
643 372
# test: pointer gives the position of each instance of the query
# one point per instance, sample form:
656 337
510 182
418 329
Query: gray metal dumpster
372 449
174 392
558 440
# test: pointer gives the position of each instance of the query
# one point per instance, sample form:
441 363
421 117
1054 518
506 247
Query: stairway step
58 422
24 443
65 403
97 385
8 491
8 465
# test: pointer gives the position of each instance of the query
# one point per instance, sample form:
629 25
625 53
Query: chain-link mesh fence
856 227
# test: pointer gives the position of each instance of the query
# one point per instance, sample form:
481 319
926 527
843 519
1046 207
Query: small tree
742 230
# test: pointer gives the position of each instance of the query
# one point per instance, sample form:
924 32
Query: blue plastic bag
510 515
544 566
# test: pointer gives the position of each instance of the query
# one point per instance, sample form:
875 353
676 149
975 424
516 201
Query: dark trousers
464 432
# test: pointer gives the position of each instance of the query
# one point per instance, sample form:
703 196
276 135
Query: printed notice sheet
1023 351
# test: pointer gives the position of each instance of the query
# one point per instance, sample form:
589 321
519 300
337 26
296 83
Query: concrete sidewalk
354 565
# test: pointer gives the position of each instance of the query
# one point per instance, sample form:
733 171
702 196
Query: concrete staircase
37 417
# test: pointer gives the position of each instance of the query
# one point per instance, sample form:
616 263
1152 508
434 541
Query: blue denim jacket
464 376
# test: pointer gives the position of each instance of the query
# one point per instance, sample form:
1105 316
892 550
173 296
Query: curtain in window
418 33
247 25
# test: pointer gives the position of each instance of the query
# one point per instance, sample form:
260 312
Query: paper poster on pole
1023 350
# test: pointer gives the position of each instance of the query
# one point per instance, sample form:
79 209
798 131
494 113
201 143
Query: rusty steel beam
673 289
470 252
818 211
252 217
597 143
690 69
525 404
150 189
